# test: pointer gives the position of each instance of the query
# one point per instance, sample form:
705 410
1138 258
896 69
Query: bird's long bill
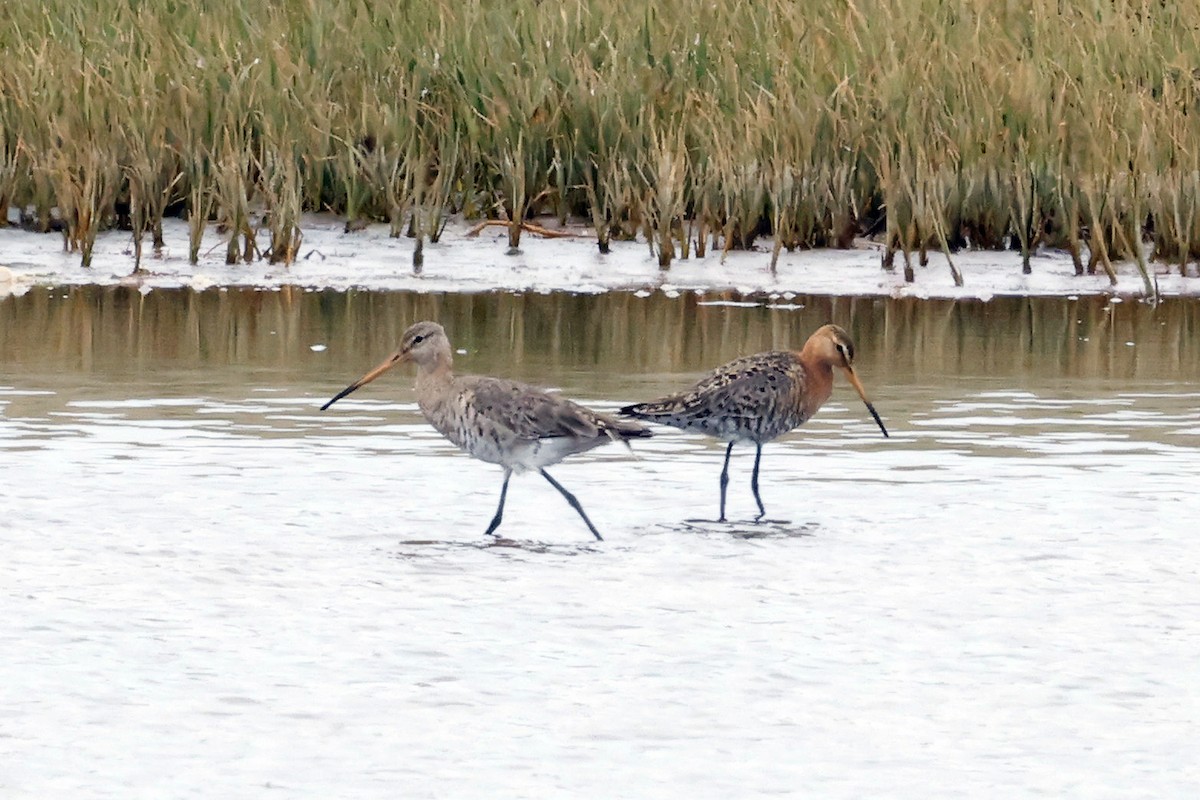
392 361
858 387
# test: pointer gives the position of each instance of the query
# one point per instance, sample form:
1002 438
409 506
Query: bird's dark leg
574 504
499 509
762 512
725 480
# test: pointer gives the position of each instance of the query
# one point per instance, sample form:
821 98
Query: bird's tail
622 430
648 411
628 429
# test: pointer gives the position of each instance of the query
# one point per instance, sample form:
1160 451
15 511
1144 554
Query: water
210 588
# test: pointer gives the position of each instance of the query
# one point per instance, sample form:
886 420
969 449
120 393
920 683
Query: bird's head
424 344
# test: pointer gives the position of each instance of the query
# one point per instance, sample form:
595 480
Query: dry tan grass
935 124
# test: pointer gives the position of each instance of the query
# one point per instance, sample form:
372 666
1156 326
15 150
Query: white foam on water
371 259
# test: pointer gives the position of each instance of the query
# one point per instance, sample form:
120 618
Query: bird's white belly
519 455
495 444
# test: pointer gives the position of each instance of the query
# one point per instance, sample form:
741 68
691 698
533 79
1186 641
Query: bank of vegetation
698 125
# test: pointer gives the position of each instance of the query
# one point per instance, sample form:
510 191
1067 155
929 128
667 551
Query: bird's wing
744 388
529 412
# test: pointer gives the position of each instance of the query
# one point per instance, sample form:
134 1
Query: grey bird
517 426
760 397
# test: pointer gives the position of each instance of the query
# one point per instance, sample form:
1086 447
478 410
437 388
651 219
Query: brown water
598 344
209 586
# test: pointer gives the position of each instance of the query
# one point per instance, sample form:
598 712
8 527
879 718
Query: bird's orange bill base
858 387
365 379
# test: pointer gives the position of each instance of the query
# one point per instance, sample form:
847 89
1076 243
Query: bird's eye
418 339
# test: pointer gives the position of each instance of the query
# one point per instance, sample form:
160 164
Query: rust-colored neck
818 358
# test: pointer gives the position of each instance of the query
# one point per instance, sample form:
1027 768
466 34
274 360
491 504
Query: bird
759 398
518 426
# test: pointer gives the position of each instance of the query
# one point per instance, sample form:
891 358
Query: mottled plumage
758 398
517 426
755 398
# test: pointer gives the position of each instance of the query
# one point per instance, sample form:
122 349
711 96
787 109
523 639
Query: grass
699 126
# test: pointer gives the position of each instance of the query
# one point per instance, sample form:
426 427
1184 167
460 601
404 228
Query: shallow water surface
210 588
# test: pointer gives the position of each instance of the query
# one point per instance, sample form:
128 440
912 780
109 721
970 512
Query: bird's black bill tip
878 421
340 395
